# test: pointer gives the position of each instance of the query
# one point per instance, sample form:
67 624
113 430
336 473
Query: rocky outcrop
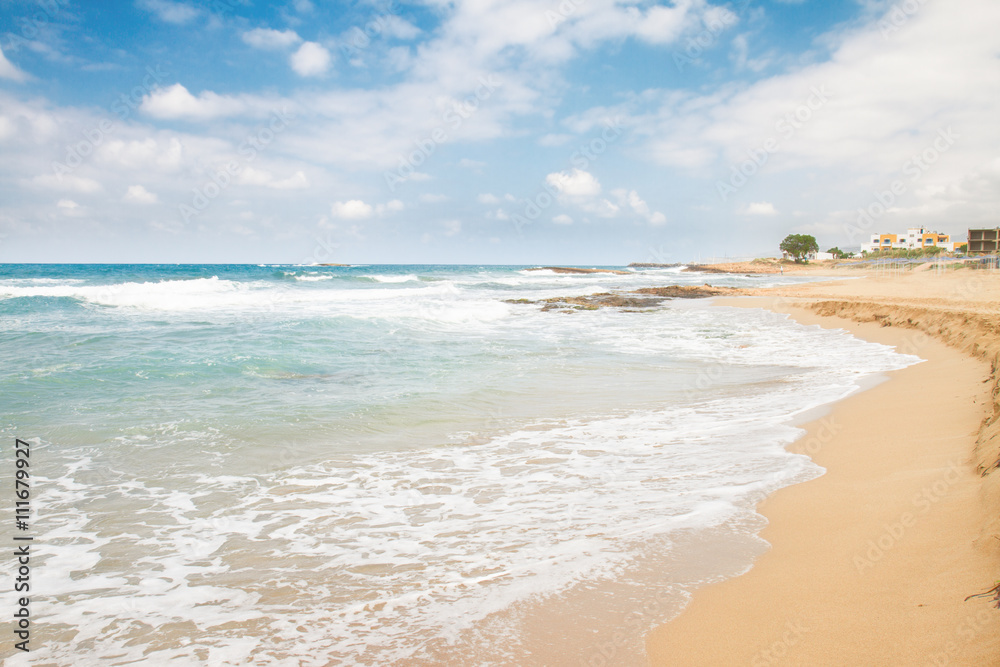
640 299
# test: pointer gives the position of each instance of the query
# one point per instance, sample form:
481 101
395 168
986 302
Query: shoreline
871 562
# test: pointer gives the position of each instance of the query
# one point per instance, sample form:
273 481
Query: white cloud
353 209
252 176
761 208
452 227
466 163
430 198
630 199
740 55
887 100
869 107
67 183
391 206
602 208
556 32
574 183
311 59
162 154
487 198
268 39
176 102
554 139
394 26
140 195
296 181
9 71
562 219
70 209
662 25
170 12
263 178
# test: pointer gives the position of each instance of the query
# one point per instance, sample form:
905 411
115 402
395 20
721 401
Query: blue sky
489 131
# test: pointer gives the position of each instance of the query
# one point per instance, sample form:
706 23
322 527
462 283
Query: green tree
837 253
799 245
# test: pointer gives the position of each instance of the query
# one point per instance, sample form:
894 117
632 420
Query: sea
391 465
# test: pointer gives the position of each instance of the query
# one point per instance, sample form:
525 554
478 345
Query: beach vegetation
911 253
838 253
798 246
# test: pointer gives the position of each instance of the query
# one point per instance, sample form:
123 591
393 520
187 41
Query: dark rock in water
695 268
649 265
593 302
688 291
571 269
644 299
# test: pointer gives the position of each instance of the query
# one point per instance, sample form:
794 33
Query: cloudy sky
489 131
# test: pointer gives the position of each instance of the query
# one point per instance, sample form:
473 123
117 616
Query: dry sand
870 563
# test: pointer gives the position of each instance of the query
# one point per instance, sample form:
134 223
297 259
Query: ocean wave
384 556
409 277
162 295
446 535
315 278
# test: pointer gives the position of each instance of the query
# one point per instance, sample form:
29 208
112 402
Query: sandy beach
872 562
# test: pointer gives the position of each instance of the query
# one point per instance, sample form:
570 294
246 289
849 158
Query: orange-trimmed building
915 237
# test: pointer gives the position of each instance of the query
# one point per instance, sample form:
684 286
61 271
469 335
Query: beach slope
871 563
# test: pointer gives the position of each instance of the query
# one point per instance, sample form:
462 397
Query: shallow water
391 465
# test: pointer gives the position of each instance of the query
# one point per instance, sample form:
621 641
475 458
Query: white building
812 256
915 237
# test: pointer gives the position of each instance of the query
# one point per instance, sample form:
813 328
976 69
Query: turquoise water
384 464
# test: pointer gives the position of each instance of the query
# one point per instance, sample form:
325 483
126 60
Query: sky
490 131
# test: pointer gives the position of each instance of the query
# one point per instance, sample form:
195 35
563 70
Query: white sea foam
410 277
377 558
315 277
14 282
178 541
162 295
